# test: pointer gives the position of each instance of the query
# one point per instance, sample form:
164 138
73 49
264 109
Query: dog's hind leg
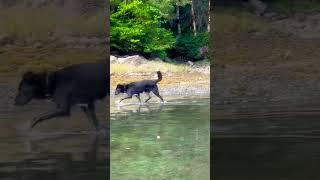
156 92
138 97
149 97
91 115
58 112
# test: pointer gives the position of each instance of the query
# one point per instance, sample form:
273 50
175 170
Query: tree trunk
193 19
209 17
178 18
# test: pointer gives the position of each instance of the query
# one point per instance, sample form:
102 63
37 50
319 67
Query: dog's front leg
56 113
138 97
127 97
91 115
149 97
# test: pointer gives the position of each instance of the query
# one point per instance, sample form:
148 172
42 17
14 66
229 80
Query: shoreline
172 84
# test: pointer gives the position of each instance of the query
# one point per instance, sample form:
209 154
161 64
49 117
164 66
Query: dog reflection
141 108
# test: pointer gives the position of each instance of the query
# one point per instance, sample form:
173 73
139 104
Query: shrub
188 46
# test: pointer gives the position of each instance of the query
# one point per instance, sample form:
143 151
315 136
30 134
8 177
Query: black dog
76 84
135 88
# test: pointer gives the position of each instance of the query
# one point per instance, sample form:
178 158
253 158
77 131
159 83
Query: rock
89 41
271 16
6 39
38 45
69 40
113 59
167 59
84 41
259 6
190 63
135 60
157 59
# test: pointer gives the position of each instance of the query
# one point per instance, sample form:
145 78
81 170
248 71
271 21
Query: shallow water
59 149
160 141
271 141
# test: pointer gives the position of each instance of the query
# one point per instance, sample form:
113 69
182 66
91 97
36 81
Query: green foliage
136 27
188 45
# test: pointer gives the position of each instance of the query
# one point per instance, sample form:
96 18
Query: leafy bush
188 45
136 27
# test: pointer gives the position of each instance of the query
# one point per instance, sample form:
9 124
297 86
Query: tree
193 18
178 5
136 27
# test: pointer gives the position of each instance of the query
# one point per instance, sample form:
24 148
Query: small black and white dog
135 88
77 84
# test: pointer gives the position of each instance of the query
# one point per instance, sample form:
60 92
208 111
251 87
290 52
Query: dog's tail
159 77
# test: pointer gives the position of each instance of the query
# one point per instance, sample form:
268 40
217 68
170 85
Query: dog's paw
35 119
141 103
119 103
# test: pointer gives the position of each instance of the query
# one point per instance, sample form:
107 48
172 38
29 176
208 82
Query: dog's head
31 87
120 89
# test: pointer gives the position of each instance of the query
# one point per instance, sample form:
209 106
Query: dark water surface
266 142
58 149
160 141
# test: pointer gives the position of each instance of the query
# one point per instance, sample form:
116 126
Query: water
270 141
160 141
59 149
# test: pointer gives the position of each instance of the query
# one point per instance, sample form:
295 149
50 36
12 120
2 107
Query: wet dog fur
77 84
136 88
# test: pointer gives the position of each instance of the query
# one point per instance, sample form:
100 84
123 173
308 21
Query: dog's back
86 82
144 85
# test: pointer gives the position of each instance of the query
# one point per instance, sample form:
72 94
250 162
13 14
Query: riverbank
181 79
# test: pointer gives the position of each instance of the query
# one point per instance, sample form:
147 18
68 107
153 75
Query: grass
21 21
151 66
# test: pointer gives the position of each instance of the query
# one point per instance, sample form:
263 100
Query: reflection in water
63 157
139 108
274 141
60 149
162 141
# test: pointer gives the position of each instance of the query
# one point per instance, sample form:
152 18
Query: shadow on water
162 141
270 141
59 149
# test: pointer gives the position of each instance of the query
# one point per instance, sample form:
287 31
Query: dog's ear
125 87
28 76
32 77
